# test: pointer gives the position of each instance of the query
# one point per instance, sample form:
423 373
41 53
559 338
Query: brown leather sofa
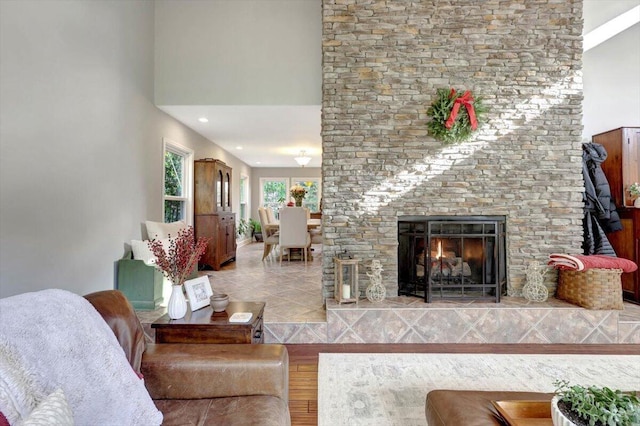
202 384
472 408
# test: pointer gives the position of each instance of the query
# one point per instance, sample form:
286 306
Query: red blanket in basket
579 262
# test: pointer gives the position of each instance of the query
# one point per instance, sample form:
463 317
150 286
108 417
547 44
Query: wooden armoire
622 168
213 217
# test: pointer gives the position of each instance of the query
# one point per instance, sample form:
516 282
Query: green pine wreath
440 111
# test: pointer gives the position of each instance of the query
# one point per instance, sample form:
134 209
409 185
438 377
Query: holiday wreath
450 122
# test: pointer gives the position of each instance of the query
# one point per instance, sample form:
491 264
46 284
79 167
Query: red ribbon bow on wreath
465 100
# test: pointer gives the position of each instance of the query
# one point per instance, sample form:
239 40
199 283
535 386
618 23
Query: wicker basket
591 289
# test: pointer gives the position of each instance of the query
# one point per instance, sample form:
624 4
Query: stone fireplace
382 64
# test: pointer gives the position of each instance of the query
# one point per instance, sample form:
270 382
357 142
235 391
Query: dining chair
293 231
316 236
315 233
271 217
269 234
272 224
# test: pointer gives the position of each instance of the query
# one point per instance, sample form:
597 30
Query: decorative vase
177 307
298 202
636 203
219 302
557 417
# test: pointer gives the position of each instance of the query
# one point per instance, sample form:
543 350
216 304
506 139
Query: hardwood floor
303 364
303 391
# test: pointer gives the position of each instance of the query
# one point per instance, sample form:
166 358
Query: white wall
611 79
229 52
598 12
80 140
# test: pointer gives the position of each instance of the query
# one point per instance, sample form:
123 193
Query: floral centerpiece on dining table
298 193
177 262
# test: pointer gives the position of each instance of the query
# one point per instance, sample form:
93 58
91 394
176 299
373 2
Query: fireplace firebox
452 257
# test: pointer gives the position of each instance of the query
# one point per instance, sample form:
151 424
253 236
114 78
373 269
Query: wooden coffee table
206 326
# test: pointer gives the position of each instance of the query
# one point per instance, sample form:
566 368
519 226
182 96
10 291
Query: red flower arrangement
182 257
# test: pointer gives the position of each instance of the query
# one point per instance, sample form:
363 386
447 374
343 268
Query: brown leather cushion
471 408
232 411
188 371
121 317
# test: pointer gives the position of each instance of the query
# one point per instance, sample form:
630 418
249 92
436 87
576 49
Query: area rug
390 389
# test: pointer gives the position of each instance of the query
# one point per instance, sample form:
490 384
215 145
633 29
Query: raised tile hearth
514 320
294 312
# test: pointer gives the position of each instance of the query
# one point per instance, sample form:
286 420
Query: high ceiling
272 135
269 136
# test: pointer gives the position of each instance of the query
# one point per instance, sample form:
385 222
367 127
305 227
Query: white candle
346 291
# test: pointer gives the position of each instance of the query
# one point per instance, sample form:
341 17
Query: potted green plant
242 228
593 406
256 229
634 190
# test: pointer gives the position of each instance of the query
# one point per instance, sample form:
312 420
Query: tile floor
292 292
294 311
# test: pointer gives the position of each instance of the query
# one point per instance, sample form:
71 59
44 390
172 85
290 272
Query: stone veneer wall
382 63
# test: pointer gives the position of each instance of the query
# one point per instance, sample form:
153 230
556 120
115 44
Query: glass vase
177 307
298 202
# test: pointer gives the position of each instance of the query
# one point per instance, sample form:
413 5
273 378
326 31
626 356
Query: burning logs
446 265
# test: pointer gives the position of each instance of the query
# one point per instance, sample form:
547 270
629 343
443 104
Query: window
274 192
312 199
244 196
178 172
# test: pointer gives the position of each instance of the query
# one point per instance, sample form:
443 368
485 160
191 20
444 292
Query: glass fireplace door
454 258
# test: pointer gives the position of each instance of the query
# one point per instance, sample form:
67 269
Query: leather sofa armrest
471 408
196 371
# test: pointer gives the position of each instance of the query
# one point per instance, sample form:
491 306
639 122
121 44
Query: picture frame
198 292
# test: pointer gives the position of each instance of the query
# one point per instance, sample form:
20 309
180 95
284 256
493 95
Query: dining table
311 224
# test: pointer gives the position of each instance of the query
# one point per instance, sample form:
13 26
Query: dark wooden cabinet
213 217
627 245
622 168
220 228
212 186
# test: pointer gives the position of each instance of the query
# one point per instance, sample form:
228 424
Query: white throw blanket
64 342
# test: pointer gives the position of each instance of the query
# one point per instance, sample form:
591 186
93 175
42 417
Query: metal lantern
346 280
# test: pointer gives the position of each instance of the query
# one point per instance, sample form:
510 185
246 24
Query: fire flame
439 252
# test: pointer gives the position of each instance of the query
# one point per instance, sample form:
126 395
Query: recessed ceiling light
238 147
257 162
203 119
